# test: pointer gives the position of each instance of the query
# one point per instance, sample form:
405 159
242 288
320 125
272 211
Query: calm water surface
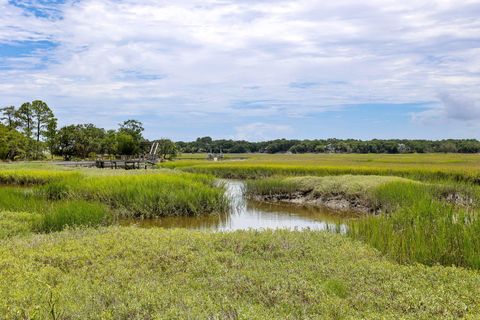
246 214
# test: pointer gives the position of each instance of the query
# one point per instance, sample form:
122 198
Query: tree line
207 144
30 132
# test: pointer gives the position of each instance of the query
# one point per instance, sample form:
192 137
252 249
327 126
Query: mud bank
334 202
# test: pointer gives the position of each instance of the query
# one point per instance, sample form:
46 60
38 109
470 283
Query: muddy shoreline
340 202
334 202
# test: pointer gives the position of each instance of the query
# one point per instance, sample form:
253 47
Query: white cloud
190 57
458 107
259 131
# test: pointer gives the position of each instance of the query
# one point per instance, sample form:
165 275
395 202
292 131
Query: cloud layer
97 61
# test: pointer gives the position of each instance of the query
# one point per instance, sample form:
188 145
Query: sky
245 69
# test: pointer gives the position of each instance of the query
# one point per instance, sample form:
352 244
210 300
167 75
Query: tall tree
25 118
43 118
9 117
65 141
133 128
51 134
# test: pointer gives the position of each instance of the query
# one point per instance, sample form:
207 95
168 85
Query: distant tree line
30 132
207 144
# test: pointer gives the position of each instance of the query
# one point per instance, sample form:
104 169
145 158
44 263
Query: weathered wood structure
131 162
122 164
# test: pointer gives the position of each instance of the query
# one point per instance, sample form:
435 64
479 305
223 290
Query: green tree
42 118
79 141
50 135
12 143
167 150
110 143
9 116
65 142
126 144
133 128
24 115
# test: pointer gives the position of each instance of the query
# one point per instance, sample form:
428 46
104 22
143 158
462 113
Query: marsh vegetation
408 244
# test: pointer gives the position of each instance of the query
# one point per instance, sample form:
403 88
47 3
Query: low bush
18 223
132 273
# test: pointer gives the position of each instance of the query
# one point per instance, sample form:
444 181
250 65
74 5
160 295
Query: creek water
247 214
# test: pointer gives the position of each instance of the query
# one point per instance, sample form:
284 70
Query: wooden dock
122 164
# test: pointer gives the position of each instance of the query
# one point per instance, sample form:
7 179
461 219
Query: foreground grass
131 273
18 223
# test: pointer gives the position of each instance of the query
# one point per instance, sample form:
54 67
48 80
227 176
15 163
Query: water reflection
245 214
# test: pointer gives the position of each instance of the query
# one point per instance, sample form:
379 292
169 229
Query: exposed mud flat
459 200
334 202
342 203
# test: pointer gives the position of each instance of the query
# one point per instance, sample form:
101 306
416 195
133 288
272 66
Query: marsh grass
27 176
73 214
147 195
421 228
23 209
425 167
350 187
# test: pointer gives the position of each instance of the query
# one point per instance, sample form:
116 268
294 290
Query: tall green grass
132 194
25 210
73 214
27 176
421 228
147 195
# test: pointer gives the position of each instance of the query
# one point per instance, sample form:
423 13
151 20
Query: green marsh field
402 242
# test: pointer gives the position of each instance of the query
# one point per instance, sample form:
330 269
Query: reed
73 214
145 195
421 228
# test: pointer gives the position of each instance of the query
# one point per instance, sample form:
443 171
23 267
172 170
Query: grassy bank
41 198
146 194
23 211
419 222
355 189
131 273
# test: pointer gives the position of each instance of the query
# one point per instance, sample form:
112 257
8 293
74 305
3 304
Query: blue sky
249 69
